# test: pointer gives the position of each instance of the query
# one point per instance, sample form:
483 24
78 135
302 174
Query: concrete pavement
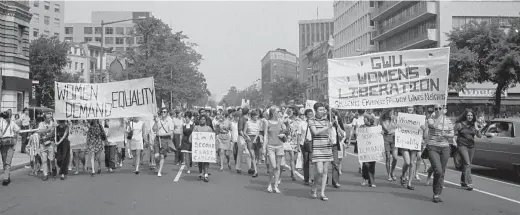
228 193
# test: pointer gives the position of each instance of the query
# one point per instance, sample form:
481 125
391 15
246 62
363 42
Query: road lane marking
295 172
449 182
178 176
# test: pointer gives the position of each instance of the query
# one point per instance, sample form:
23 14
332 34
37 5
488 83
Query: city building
117 35
312 32
276 64
353 28
48 19
404 25
15 85
317 70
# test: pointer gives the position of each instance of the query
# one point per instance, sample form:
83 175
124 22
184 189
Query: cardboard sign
409 134
78 135
203 148
371 145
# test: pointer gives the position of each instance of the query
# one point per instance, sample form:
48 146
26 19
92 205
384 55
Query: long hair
464 117
371 119
386 115
208 120
272 112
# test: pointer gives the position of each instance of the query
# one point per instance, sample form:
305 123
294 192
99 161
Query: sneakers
159 174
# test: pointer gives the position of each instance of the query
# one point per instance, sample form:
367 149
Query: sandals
313 194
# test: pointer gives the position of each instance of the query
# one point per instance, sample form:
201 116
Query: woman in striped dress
321 149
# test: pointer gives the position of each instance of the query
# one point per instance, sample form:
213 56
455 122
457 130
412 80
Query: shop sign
479 92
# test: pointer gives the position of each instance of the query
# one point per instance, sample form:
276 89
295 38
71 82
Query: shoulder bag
130 133
307 144
6 141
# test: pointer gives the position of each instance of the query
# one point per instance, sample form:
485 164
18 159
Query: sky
233 36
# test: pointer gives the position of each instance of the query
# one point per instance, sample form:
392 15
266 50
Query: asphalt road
227 193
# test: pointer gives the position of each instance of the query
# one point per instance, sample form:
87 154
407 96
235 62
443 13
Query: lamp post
103 40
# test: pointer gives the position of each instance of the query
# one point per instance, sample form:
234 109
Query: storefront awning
483 101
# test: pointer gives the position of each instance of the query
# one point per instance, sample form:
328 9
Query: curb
16 167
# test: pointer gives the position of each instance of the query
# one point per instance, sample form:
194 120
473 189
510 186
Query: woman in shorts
273 147
389 125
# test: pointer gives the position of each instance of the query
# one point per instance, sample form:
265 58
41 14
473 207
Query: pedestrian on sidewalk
163 128
26 123
63 150
9 131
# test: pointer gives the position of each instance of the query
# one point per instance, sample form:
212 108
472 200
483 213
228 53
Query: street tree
232 98
170 59
47 58
287 88
485 52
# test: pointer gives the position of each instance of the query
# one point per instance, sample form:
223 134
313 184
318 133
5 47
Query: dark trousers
335 165
306 163
466 155
368 171
439 157
25 138
110 156
179 156
63 157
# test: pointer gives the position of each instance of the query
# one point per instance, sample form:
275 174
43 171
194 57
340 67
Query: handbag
103 134
307 144
453 150
6 141
130 133
424 154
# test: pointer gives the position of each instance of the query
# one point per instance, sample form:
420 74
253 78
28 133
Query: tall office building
276 64
314 31
15 85
311 33
48 19
403 25
117 35
353 28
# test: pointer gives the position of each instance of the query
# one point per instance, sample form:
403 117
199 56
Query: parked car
499 146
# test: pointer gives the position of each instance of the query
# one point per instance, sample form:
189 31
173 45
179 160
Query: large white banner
389 79
409 134
370 143
131 98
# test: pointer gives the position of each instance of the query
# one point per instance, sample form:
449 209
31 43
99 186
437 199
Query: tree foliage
234 96
47 58
170 59
287 88
485 52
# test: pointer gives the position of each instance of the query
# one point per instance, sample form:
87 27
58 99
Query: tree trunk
498 99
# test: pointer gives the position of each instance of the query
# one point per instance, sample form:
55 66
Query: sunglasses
164 111
438 108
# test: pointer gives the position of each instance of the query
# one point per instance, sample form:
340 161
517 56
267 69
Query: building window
98 39
36 3
36 18
35 32
129 30
46 33
97 30
130 40
109 30
81 66
56 22
46 20
120 49
87 30
120 30
129 48
20 39
69 30
75 65
56 8
88 39
47 5
120 40
69 39
109 40
372 4
57 34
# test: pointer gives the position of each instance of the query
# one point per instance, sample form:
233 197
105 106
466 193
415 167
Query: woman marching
322 155
95 137
369 168
291 145
465 132
253 139
223 131
136 137
203 126
273 146
410 158
187 129
389 126
63 151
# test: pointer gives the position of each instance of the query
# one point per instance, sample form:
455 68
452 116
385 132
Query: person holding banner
438 148
273 146
322 154
389 126
410 157
203 126
163 128
63 151
46 130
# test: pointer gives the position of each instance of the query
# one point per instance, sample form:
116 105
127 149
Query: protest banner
78 135
409 133
389 79
370 144
131 98
203 148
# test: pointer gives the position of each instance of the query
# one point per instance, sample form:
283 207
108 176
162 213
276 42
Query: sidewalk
19 160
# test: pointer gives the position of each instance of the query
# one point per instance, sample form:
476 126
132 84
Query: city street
228 193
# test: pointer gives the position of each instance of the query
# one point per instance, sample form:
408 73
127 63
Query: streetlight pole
103 41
